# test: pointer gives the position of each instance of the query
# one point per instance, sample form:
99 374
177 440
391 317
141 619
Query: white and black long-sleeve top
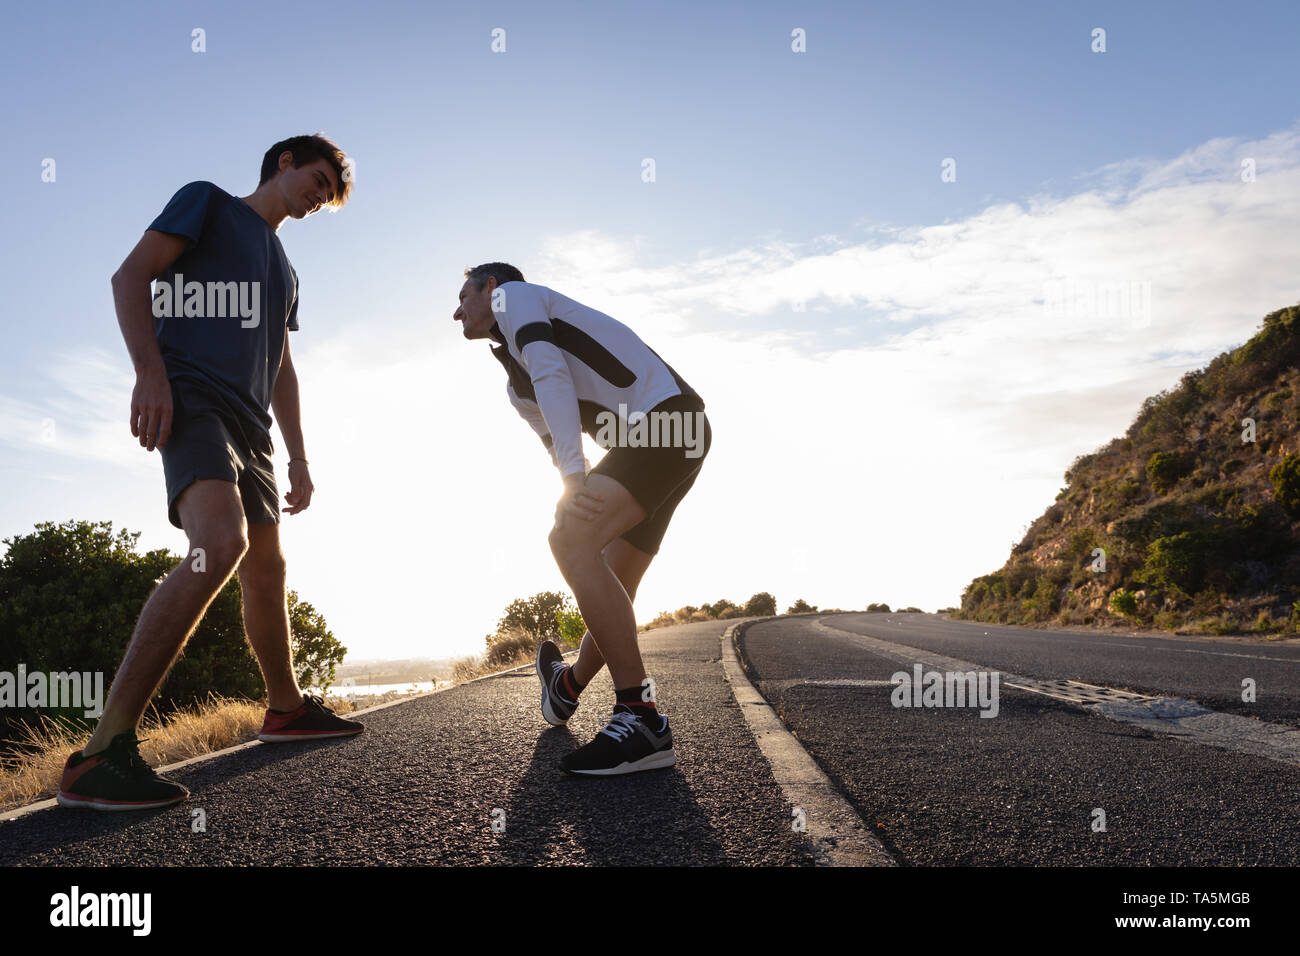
566 363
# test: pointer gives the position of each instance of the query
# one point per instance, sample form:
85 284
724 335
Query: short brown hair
308 149
503 272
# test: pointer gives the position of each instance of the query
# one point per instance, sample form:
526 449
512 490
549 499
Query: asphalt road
945 786
421 785
1207 670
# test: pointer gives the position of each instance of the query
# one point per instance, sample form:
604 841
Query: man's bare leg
213 517
266 615
629 565
602 599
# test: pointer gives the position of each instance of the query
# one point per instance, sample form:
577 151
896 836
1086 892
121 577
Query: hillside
1196 510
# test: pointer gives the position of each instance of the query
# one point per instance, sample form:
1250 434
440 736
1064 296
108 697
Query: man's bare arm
151 400
288 414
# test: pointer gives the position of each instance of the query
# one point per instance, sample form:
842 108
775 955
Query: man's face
475 310
307 188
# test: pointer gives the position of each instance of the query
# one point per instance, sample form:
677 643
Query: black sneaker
116 778
626 744
311 721
557 707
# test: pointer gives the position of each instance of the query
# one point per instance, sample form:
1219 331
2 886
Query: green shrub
1128 489
1164 468
535 616
1285 476
1219 625
1080 543
1124 603
571 627
1177 561
1278 399
70 595
1045 599
1168 620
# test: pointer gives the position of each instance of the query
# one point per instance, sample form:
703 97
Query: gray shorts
207 441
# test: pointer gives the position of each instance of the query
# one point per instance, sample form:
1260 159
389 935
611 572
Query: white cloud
80 414
1190 227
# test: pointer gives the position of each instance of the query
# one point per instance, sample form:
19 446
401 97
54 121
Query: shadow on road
59 827
646 818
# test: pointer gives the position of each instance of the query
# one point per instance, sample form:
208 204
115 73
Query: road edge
838 836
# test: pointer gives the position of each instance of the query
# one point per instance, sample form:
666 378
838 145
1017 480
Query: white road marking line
1174 716
1192 650
839 836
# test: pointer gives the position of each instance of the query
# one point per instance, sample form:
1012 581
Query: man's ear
286 159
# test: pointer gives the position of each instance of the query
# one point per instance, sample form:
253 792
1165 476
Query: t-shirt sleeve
293 309
185 214
527 329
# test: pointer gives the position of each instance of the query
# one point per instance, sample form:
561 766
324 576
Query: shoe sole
654 761
290 738
73 802
552 718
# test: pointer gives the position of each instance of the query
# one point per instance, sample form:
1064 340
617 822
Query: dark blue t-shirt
224 333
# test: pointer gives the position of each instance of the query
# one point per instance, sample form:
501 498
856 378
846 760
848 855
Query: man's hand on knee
578 501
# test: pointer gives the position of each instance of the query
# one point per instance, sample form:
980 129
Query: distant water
362 689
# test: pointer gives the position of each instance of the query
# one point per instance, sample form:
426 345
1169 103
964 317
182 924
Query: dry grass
512 649
33 771
470 668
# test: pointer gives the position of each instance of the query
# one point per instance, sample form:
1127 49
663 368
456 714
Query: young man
211 356
571 369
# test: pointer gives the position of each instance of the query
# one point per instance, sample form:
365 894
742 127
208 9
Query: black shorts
207 442
659 477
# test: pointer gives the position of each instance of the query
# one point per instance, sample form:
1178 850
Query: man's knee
264 564
263 568
568 544
213 518
222 547
577 540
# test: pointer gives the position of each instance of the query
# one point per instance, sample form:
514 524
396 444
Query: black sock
569 685
631 699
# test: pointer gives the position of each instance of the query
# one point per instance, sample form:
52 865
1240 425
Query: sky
915 257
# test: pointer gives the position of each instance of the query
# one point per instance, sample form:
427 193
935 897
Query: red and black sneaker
311 721
116 778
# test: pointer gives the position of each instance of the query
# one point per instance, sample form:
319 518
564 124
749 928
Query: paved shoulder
467 776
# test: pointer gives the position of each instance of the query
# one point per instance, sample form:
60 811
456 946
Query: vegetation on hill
761 604
1189 522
